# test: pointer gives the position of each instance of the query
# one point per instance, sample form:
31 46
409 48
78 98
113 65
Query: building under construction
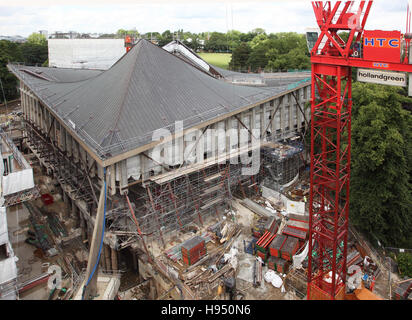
148 126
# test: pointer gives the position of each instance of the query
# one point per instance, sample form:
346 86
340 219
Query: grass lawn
217 59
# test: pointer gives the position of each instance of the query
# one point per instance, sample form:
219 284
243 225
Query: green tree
405 263
165 38
37 38
287 51
34 53
240 56
9 52
217 42
294 59
121 33
381 203
258 58
233 39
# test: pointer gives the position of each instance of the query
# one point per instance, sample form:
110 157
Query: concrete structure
80 123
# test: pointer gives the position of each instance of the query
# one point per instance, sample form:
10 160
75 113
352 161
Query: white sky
22 17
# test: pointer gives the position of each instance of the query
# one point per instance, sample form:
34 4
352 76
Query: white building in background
85 53
16 186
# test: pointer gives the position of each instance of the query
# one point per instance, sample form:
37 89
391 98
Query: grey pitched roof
271 79
117 110
60 74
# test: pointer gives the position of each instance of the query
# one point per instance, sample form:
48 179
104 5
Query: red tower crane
128 43
332 60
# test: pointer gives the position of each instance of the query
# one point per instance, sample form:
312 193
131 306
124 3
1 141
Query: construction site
166 178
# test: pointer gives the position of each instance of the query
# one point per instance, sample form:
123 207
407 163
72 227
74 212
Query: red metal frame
331 104
330 171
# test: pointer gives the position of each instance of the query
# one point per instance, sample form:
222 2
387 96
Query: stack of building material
278 264
193 250
276 245
257 273
272 225
289 248
272 263
294 232
282 265
262 245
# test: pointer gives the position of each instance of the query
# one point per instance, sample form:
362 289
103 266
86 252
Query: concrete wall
288 120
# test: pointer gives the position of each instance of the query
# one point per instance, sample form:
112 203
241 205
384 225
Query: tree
240 57
165 38
34 53
257 57
257 40
121 33
404 261
288 51
35 50
37 38
9 52
217 42
233 39
294 59
380 198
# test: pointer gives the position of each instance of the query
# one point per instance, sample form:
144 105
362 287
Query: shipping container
276 245
289 248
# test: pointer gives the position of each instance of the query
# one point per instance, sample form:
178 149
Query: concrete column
23 101
41 117
114 260
33 109
102 261
253 120
30 108
264 120
62 138
123 176
143 166
36 107
90 160
113 179
281 114
82 156
69 144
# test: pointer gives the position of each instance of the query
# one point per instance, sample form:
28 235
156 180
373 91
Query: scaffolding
187 201
281 165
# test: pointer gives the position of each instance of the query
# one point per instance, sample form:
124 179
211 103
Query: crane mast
332 60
